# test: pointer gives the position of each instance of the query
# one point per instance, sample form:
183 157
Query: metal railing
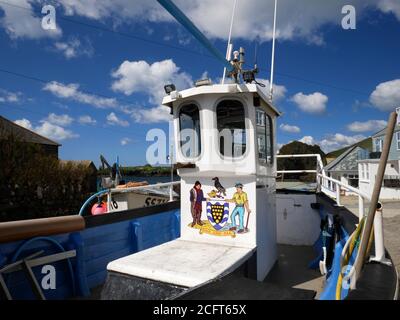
330 186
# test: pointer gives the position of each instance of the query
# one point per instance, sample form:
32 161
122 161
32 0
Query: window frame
246 125
398 140
266 119
179 142
379 142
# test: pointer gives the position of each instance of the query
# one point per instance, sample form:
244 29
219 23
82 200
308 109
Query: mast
229 46
271 82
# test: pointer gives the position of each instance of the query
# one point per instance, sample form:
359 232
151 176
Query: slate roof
383 131
333 163
8 127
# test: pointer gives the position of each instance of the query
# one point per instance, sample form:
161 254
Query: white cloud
139 76
308 140
392 6
59 120
333 142
10 97
71 91
87 120
24 123
254 17
125 141
370 125
386 96
55 132
213 17
20 21
74 48
279 91
288 128
113 120
312 103
152 115
48 130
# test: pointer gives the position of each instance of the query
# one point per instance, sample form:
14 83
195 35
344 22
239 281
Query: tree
297 147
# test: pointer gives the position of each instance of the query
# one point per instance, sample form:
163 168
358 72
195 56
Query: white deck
181 262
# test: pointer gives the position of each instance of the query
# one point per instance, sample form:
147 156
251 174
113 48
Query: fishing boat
232 234
117 195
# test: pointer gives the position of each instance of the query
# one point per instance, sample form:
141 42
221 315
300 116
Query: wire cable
123 34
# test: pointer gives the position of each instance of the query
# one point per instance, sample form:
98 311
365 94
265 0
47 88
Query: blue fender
332 277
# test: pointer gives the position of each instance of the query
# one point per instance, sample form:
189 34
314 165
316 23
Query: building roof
333 163
383 131
8 128
86 163
221 89
364 144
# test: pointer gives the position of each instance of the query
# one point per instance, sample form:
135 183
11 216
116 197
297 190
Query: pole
229 46
271 82
171 197
361 256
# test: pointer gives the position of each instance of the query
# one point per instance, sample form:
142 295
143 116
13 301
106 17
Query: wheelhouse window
264 137
231 128
189 124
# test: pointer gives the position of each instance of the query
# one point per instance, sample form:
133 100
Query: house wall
394 153
50 150
367 185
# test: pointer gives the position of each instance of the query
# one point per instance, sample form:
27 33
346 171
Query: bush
36 185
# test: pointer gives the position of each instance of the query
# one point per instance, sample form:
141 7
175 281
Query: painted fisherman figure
241 201
196 199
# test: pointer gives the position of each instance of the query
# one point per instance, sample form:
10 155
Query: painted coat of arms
218 214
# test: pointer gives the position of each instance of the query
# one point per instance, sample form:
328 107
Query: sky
95 83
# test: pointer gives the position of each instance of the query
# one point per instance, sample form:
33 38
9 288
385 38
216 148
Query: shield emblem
218 214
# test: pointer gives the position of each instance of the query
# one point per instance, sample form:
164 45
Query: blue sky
96 89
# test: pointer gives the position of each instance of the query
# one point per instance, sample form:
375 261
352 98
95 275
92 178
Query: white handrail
346 186
322 181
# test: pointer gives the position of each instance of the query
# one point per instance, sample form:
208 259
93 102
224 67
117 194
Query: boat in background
117 195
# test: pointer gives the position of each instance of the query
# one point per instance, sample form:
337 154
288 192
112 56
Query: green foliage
297 147
36 185
143 171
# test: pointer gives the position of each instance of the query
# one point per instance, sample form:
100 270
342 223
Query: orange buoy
99 208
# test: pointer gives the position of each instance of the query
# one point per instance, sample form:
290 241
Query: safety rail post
360 207
109 208
338 195
171 187
380 254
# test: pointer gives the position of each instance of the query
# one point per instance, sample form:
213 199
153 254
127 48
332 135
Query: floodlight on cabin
169 88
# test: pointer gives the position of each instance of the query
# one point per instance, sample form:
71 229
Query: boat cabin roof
219 89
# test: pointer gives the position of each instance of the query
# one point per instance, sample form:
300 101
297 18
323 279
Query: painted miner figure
196 199
242 203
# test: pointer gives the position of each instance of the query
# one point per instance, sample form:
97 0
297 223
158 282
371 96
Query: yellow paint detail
209 229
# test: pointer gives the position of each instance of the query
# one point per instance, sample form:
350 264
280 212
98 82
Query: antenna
229 46
256 54
271 82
